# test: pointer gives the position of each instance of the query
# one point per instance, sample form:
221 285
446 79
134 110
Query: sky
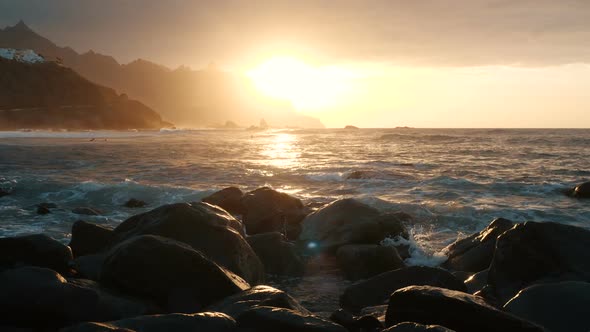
422 63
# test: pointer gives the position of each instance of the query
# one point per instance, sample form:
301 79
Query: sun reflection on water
281 151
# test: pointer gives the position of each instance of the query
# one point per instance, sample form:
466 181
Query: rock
559 307
47 205
356 324
477 281
229 199
267 296
376 290
284 320
538 252
42 298
87 211
88 238
268 210
474 253
361 175
206 228
580 191
37 250
350 127
415 327
201 322
43 210
169 272
278 256
4 192
89 266
135 203
361 261
348 221
452 309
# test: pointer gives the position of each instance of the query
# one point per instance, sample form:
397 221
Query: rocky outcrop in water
580 191
229 199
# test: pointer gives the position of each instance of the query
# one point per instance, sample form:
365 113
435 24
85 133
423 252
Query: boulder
263 318
267 296
474 253
361 261
89 266
41 298
199 322
376 290
415 327
559 307
204 227
268 210
169 272
134 203
87 211
452 309
348 221
88 238
43 210
580 191
538 252
278 256
229 199
37 250
477 281
353 323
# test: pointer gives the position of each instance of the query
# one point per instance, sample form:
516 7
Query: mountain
40 94
207 97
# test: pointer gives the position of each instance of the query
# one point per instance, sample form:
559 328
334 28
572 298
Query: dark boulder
89 266
361 261
376 290
353 323
47 205
199 322
538 252
263 318
477 281
278 256
87 211
268 210
37 250
43 210
169 272
134 203
229 199
474 253
580 191
206 228
267 296
559 307
42 298
455 310
348 221
88 238
415 327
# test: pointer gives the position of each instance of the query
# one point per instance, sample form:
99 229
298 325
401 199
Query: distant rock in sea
350 127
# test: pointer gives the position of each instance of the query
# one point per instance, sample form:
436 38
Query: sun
305 86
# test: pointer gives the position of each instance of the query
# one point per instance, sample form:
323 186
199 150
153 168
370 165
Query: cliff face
184 96
49 95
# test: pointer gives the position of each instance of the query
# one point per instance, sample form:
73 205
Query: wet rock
538 252
559 307
376 290
348 221
263 318
261 295
580 191
87 211
89 266
415 327
37 250
41 298
268 210
360 175
43 210
204 227
477 281
361 261
47 205
353 323
229 199
278 256
474 253
88 238
169 272
202 322
455 310
135 203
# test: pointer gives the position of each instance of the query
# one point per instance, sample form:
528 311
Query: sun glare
305 86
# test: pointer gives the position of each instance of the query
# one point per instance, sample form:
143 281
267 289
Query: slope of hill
43 94
184 96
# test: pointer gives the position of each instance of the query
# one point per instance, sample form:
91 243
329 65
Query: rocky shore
206 266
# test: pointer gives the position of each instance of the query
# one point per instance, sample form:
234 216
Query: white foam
420 255
28 56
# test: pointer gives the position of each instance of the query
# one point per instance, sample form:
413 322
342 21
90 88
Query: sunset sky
424 63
